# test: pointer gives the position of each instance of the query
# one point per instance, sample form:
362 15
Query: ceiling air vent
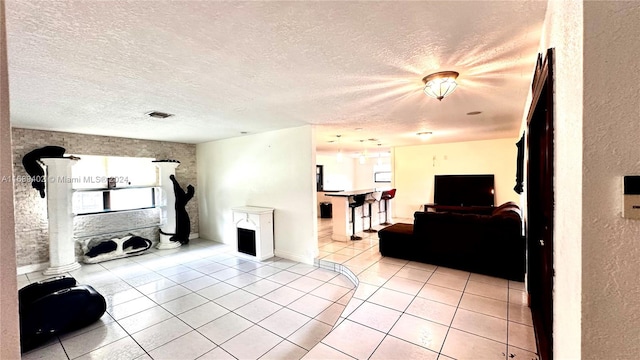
159 114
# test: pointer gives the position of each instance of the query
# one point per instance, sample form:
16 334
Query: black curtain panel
519 166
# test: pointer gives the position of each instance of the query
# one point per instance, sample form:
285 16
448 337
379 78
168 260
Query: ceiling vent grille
159 114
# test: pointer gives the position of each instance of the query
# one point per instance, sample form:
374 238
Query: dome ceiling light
440 84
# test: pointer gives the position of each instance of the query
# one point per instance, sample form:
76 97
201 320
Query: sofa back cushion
436 224
452 238
507 207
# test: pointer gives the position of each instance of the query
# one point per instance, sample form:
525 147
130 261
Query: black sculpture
33 168
102 248
183 224
115 248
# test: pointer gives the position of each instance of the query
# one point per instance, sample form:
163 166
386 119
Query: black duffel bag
68 307
33 292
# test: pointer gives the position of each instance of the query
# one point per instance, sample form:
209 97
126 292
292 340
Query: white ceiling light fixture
440 84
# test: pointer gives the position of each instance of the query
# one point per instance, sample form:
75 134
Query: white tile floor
408 310
202 302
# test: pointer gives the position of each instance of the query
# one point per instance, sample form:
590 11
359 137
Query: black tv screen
464 190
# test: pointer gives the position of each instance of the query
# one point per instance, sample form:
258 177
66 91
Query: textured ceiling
222 68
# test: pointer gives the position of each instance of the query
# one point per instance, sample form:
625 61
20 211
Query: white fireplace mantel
259 220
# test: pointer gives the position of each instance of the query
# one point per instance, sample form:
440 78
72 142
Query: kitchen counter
351 193
342 227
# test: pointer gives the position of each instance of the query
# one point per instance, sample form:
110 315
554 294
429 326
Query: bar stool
386 196
370 199
354 202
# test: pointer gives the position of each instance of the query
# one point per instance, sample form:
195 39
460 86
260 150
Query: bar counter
342 213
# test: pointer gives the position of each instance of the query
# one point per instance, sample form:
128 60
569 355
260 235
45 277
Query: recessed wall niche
114 183
31 221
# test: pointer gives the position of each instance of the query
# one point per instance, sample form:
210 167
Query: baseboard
31 268
194 236
215 240
294 257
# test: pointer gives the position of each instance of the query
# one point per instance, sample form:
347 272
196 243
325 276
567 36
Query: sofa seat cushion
399 228
397 241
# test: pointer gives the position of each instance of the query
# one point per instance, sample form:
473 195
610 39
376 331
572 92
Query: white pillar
62 253
168 225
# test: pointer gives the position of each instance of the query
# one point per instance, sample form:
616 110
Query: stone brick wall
31 229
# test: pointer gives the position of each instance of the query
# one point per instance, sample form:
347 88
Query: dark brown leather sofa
484 244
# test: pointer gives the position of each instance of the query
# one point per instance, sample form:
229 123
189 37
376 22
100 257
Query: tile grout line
453 318
508 309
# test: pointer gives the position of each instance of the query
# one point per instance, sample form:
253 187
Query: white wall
338 175
563 30
414 168
9 329
364 173
611 129
273 169
349 174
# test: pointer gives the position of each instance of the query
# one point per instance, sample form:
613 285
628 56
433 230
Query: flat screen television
464 190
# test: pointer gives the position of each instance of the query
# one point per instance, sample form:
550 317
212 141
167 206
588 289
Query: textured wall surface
563 32
9 328
610 247
31 228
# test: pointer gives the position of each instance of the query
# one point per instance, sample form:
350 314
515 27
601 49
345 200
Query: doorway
540 204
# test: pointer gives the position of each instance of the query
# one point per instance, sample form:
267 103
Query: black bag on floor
58 312
33 292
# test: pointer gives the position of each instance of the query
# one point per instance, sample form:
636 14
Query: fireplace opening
247 241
